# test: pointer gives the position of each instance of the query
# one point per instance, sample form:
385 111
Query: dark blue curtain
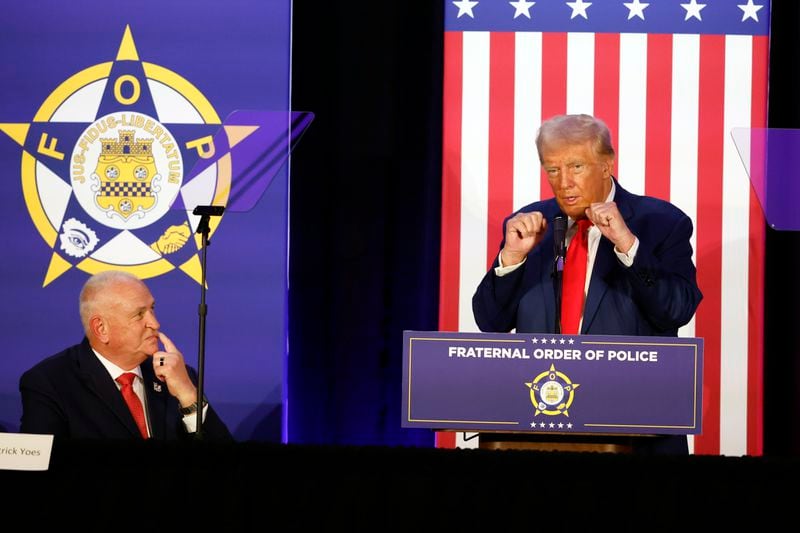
364 221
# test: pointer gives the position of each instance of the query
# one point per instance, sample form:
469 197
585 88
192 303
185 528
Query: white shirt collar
113 370
612 192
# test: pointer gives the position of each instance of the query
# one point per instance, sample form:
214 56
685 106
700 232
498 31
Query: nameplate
25 451
545 383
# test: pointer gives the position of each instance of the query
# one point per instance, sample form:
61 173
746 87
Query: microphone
559 255
559 241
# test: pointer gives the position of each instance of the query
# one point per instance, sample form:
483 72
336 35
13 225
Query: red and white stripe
671 102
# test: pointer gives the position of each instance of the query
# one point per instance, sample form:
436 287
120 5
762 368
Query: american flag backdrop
671 78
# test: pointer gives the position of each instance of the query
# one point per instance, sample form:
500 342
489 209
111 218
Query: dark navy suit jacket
72 395
655 296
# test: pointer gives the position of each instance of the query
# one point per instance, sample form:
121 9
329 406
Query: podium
552 392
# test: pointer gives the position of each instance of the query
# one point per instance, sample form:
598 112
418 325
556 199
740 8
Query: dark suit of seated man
75 393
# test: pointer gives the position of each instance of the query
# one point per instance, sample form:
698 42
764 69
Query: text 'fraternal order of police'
555 354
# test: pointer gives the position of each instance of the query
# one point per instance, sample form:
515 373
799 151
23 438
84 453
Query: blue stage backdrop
85 82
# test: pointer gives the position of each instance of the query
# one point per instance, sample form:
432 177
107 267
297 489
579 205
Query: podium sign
547 383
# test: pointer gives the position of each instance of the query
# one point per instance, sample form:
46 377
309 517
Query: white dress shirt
138 384
594 240
189 421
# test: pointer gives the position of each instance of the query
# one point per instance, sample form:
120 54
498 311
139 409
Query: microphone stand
205 212
558 270
559 236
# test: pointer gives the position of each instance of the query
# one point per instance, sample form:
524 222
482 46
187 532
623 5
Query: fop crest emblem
123 179
105 157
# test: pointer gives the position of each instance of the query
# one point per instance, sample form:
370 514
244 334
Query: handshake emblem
172 239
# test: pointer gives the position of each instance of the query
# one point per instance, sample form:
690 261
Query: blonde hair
575 129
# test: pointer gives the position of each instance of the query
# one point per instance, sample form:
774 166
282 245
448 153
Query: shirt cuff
501 270
190 420
627 259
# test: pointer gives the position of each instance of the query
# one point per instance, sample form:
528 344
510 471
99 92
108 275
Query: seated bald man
118 383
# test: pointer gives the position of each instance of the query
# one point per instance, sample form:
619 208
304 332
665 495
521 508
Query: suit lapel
157 395
547 285
96 379
604 262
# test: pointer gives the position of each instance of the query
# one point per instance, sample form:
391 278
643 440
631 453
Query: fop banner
105 110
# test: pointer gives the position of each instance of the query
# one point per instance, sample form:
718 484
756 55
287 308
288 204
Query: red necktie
574 280
133 401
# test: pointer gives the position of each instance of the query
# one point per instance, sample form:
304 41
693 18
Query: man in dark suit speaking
117 383
635 275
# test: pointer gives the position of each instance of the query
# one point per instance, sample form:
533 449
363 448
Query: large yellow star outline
48 149
550 375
